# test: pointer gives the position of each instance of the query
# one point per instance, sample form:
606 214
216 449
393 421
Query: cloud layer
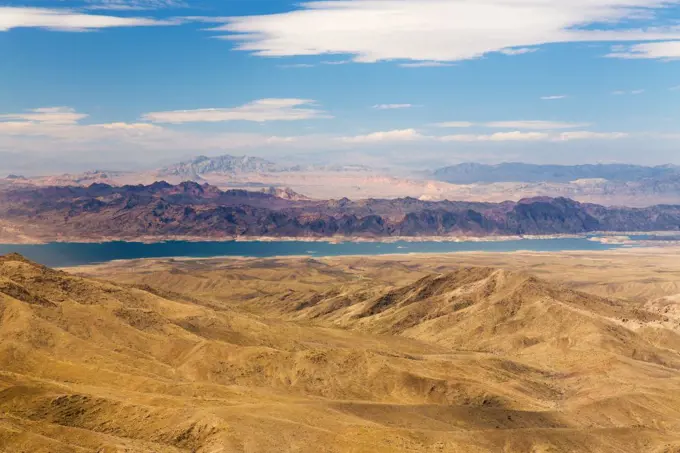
392 106
399 135
62 133
664 50
134 5
46 115
535 125
432 31
259 111
68 20
413 135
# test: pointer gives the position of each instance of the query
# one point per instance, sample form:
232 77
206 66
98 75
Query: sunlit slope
477 360
490 310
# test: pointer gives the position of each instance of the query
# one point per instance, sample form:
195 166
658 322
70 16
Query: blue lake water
74 254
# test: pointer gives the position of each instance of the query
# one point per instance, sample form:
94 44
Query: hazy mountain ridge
628 185
474 173
227 164
193 210
197 168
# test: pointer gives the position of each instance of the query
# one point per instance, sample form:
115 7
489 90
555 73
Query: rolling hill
475 360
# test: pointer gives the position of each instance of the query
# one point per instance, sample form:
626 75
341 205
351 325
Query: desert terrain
629 185
512 353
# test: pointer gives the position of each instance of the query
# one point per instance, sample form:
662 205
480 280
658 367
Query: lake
74 254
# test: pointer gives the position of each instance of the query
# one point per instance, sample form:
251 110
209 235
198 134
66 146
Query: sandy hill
477 360
491 310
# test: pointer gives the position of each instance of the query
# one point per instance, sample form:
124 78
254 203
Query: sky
409 84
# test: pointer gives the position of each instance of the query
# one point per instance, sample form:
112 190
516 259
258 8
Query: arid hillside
315 356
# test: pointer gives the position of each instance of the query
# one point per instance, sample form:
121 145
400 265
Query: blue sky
411 83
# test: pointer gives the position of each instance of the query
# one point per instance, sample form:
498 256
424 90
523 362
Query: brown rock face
200 210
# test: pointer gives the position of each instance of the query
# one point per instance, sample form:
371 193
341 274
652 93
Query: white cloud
519 51
521 124
134 5
52 135
534 125
497 137
554 98
518 136
17 128
677 88
73 131
587 135
521 136
46 115
60 132
258 111
410 135
128 126
665 50
455 124
68 20
392 106
401 135
439 30
54 132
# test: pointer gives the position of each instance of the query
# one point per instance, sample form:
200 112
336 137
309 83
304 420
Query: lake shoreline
69 254
25 240
593 254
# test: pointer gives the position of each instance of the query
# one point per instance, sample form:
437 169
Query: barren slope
246 365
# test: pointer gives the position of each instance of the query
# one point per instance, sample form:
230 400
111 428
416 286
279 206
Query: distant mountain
286 193
626 185
189 209
334 168
201 165
194 169
473 173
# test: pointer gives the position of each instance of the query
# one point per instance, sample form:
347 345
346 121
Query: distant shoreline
600 236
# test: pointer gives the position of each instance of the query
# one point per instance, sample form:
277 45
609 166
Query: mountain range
190 209
610 184
196 169
473 173
193 169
